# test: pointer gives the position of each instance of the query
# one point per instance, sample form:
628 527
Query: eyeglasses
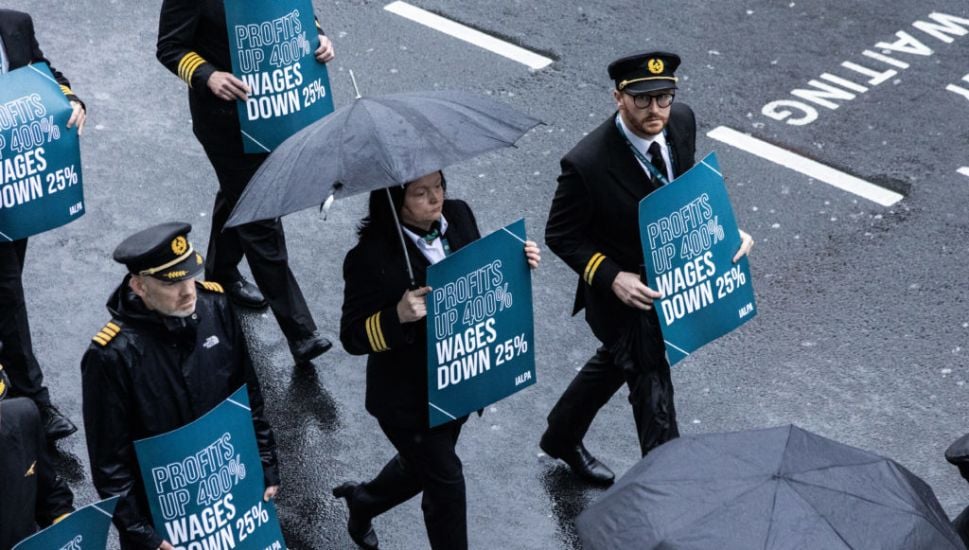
642 101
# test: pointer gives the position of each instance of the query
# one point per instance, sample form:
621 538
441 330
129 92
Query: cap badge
655 65
179 245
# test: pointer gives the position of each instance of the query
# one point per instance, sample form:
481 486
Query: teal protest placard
689 235
40 158
84 529
272 47
480 325
204 482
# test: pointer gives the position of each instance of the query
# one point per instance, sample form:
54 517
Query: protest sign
689 236
84 529
480 326
204 482
272 47
40 158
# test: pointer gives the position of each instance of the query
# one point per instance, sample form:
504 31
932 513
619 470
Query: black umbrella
376 142
776 488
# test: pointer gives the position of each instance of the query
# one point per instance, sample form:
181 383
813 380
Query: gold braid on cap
177 260
625 83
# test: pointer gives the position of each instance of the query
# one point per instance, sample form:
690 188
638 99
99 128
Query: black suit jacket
593 224
375 278
193 43
20 44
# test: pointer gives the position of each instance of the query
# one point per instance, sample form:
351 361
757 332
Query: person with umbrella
383 318
592 225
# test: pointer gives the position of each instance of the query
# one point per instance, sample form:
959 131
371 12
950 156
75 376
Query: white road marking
964 170
472 36
806 166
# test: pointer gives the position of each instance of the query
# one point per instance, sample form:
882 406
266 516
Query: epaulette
212 287
107 333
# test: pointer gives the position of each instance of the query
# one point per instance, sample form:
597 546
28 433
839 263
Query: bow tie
429 236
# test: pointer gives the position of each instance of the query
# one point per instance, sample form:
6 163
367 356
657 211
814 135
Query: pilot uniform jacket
193 43
146 374
26 377
31 493
20 44
593 224
376 277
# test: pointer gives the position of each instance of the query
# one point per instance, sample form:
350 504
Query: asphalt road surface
863 326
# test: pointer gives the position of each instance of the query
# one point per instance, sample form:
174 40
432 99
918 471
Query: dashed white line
964 170
806 166
472 36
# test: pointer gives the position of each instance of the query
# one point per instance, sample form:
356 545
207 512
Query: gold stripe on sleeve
595 266
588 266
379 331
370 336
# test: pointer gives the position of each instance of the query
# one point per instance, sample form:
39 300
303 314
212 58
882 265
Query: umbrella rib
715 510
820 515
773 506
858 497
380 142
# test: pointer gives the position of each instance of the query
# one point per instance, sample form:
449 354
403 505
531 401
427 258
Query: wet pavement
862 333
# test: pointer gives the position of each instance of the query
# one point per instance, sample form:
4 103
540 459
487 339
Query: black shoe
578 458
246 294
361 532
309 348
56 425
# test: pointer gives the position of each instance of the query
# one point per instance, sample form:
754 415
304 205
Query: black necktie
656 159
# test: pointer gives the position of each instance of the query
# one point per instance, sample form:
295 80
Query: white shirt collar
642 145
434 251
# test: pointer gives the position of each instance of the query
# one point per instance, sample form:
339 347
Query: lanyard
663 180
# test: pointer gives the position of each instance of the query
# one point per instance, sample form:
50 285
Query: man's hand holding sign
631 290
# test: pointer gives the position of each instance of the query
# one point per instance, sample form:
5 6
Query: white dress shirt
643 146
434 251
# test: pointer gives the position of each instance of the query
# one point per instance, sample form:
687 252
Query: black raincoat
154 375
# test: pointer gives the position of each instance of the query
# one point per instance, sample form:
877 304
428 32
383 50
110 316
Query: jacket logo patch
32 470
211 342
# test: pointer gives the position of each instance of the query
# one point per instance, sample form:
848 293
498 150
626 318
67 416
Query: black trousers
598 380
263 243
425 461
17 355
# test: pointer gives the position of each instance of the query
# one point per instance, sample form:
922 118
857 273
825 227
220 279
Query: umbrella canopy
376 142
776 488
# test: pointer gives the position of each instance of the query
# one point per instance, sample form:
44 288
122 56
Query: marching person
33 495
193 43
172 351
383 317
18 48
593 226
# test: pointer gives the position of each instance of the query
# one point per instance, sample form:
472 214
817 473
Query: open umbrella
376 142
776 488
